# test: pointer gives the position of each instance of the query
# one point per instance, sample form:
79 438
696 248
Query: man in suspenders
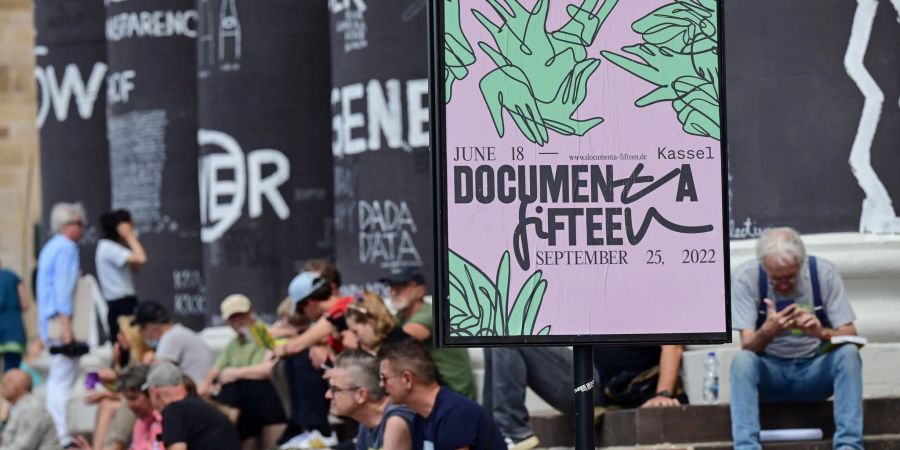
786 305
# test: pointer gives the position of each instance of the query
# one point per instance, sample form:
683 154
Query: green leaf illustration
480 307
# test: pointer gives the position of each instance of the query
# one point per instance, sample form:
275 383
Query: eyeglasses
338 390
76 222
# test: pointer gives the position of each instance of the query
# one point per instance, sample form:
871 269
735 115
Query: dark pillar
379 100
152 129
266 174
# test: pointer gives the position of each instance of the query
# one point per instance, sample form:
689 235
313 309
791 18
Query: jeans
769 379
309 407
61 376
548 371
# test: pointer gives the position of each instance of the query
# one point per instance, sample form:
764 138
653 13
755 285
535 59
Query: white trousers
61 377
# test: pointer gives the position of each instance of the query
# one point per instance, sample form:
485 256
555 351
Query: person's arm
837 309
24 298
756 341
260 371
315 334
669 363
397 434
138 256
418 331
177 446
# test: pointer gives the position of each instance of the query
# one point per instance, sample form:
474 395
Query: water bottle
711 379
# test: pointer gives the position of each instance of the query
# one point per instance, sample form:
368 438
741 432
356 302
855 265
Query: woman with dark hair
119 254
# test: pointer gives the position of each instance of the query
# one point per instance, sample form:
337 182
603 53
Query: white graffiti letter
258 186
220 215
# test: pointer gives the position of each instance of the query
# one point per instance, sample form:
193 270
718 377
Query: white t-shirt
114 274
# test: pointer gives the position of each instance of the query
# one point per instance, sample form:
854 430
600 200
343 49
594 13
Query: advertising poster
152 133
266 178
580 171
70 72
380 138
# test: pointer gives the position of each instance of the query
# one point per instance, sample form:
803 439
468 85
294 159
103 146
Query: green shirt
241 352
453 364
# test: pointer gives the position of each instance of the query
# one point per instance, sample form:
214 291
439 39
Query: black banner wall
71 73
266 174
813 117
379 100
152 130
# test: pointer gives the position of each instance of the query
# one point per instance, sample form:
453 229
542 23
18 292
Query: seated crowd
351 357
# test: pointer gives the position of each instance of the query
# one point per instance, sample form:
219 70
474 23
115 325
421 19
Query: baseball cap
150 312
163 374
403 275
303 285
235 304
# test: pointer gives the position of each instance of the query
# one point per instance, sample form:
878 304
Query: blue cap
304 285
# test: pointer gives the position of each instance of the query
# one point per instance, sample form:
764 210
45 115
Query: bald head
16 384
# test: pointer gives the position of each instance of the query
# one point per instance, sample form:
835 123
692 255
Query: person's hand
660 401
107 375
204 389
778 321
808 323
319 355
125 229
228 375
66 334
81 443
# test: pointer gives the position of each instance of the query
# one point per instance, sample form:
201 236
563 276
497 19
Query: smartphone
782 304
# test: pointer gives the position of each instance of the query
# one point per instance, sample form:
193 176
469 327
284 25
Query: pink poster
582 164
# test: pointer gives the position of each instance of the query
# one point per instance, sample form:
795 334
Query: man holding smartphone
786 305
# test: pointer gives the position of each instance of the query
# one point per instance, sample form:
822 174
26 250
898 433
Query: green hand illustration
680 56
541 77
458 53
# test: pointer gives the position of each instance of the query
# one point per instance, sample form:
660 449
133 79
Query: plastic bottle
711 379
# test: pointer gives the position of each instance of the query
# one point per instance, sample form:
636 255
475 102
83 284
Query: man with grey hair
57 274
787 307
354 391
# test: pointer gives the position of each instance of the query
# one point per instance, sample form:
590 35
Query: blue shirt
57 274
456 422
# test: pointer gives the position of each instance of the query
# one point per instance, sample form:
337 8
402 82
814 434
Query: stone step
872 442
709 423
